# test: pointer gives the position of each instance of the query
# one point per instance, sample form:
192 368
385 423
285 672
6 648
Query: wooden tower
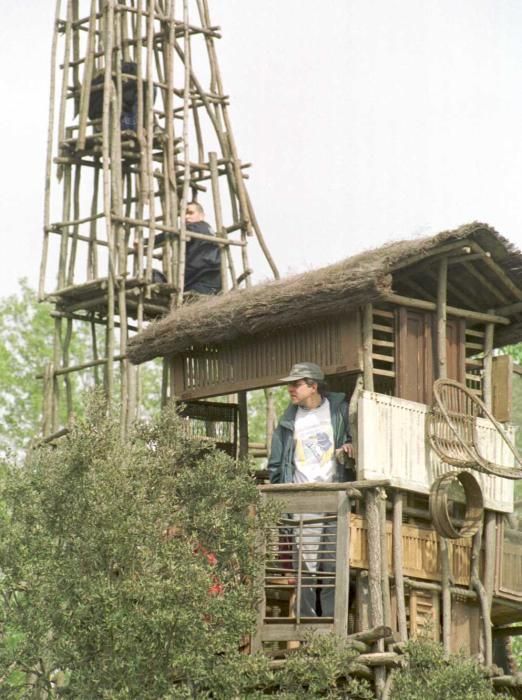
120 171
426 538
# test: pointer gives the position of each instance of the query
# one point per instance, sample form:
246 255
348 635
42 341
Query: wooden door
415 359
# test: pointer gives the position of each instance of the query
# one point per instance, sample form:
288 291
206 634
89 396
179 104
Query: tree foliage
101 600
431 675
93 586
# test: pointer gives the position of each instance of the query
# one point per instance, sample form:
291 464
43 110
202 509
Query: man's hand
345 452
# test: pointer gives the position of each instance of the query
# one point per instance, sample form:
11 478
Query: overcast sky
365 120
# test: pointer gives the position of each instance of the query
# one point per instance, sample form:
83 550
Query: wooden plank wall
261 360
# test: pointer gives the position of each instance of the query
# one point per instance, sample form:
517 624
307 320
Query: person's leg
327 565
308 539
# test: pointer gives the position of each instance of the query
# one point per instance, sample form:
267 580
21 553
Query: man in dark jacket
129 97
310 445
202 258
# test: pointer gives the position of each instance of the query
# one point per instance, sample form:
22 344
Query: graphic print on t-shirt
314 445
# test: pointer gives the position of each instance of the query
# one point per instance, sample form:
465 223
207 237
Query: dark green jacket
281 465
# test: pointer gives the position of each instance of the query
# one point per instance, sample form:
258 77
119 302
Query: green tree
27 330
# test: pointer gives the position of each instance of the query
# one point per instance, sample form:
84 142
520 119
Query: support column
243 423
487 385
442 292
398 566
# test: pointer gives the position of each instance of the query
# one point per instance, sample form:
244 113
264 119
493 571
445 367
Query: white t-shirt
314 455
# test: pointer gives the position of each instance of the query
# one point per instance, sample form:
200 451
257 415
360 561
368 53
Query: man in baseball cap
304 370
310 445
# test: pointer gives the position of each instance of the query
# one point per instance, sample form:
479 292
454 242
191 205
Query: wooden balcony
392 445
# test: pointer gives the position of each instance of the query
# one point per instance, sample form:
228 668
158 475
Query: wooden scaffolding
112 188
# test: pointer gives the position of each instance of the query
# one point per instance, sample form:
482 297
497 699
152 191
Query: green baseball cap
304 370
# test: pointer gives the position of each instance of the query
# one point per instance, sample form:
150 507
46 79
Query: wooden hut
390 327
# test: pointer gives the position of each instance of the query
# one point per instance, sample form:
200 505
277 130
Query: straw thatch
306 297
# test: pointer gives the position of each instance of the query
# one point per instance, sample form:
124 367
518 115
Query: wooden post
367 346
398 565
446 593
374 577
342 565
362 595
385 578
442 286
243 423
271 419
477 585
487 383
490 546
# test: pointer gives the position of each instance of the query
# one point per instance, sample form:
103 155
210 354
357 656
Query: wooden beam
509 309
495 267
439 250
454 259
451 310
485 282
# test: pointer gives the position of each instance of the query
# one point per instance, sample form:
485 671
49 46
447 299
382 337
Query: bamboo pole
176 232
56 363
75 231
49 157
92 251
107 195
65 73
171 192
87 78
66 356
186 176
94 346
219 219
398 565
150 142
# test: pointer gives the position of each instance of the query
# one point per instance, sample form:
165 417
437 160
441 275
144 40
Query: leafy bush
432 676
94 584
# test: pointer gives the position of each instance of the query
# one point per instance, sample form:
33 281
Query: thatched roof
309 296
